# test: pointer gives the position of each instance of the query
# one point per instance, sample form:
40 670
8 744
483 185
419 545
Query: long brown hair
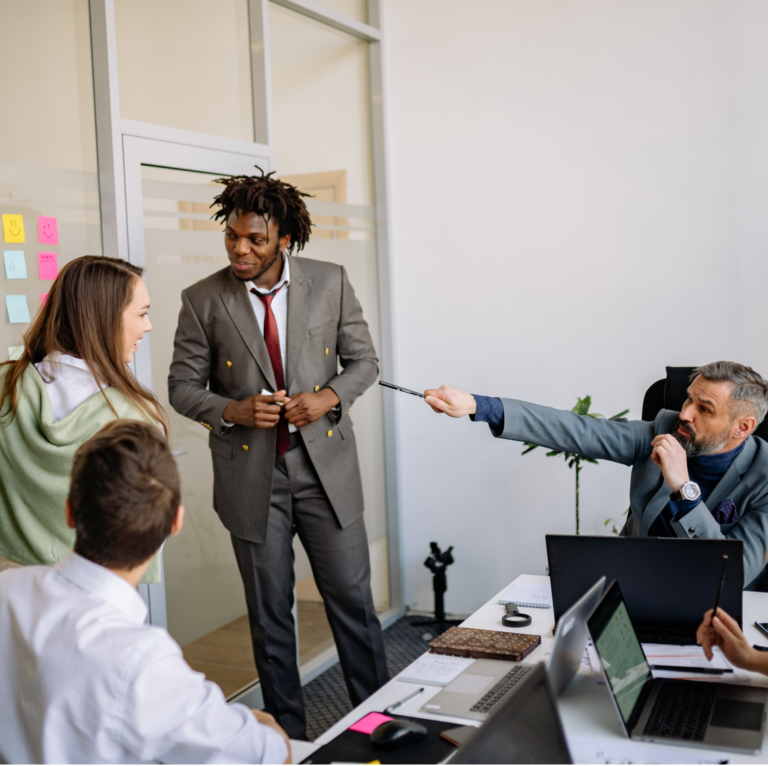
83 317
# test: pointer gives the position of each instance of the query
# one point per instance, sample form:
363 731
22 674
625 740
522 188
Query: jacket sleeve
621 441
190 372
357 356
751 529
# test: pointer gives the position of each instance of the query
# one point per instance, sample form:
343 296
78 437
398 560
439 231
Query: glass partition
322 128
186 64
48 170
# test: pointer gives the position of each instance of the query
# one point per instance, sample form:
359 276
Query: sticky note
15 266
13 227
15 352
43 298
18 311
47 230
369 722
48 263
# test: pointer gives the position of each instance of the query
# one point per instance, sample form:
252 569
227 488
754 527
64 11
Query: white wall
579 198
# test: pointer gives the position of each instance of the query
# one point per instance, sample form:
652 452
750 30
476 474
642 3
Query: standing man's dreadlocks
269 198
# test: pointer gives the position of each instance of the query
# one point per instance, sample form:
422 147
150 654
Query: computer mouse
391 735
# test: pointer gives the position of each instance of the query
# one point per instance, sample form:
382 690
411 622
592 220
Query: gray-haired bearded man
699 473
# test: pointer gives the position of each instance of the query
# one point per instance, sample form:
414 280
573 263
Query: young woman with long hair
71 379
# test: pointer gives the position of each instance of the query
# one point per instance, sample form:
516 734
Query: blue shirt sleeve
489 410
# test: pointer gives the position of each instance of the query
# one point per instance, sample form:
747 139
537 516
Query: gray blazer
629 442
220 355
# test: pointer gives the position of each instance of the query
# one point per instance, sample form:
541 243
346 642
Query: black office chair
670 394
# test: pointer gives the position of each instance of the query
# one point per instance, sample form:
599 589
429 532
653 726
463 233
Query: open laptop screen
525 729
620 652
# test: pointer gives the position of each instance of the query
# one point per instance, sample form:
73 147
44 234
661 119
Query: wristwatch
688 492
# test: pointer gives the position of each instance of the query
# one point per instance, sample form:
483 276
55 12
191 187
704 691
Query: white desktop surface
585 707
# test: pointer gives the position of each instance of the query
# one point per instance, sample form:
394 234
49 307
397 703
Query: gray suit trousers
342 571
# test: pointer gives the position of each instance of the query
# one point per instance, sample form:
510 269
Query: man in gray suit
284 463
698 473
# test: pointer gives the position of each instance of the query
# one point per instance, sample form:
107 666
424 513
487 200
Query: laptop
674 712
477 692
668 583
525 729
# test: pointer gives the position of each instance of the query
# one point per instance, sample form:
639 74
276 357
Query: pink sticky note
43 298
48 263
369 722
47 230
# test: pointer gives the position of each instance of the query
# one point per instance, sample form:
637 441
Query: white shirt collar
103 584
285 279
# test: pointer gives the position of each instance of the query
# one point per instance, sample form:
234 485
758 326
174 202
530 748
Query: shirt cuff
225 424
489 409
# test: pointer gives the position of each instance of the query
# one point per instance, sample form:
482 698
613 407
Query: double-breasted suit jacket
220 355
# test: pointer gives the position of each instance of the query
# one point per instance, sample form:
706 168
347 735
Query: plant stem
578 468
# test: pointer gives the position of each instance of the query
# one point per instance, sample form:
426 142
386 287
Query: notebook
530 594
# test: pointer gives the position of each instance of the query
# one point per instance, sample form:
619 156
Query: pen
410 697
720 587
679 669
400 388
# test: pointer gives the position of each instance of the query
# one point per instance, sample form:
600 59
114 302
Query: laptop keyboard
498 693
681 710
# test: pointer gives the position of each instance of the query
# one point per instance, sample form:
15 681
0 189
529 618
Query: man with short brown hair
82 678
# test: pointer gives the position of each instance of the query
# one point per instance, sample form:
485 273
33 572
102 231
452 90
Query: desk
585 707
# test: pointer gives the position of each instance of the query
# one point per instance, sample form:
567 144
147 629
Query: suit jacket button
326 352
229 364
245 447
329 433
695 537
691 530
317 388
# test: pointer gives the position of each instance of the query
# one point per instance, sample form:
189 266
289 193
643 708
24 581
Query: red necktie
272 339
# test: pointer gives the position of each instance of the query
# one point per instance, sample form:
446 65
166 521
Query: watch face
690 491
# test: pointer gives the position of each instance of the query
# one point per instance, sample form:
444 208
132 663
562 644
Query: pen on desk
679 669
410 697
720 587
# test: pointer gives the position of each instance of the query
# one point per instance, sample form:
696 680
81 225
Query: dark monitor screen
668 583
525 729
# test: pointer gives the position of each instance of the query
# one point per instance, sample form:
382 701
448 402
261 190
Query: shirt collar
285 279
103 584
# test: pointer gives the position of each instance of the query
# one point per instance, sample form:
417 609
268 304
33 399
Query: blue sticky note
15 266
18 311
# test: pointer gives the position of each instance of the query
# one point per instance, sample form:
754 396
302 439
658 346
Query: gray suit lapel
238 306
733 474
299 304
655 507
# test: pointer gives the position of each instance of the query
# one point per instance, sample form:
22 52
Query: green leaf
529 447
620 415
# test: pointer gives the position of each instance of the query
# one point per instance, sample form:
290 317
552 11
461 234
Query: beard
700 445
275 255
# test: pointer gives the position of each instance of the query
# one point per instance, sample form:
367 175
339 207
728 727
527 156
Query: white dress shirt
83 679
68 382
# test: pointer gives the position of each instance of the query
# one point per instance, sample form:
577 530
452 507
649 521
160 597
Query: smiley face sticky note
47 230
48 264
13 227
18 311
15 267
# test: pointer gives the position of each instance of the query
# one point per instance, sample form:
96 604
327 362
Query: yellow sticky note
13 227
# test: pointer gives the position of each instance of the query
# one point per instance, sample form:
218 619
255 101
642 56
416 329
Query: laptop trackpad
735 714
466 683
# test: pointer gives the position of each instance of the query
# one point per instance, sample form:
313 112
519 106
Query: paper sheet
692 657
18 311
48 264
15 266
587 750
13 227
435 669
15 352
47 230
